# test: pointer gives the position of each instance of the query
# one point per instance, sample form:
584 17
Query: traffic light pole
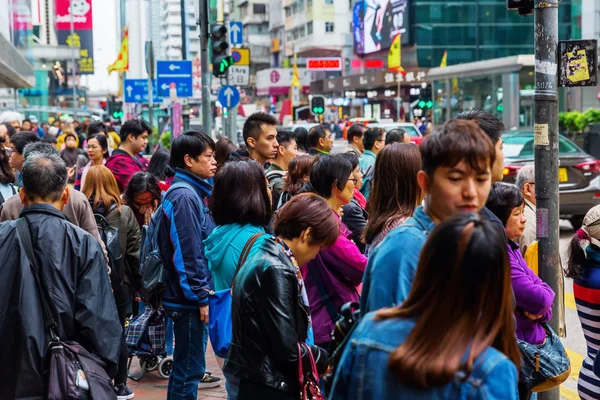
206 112
546 157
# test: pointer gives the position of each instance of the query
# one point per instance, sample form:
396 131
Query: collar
514 246
322 152
529 204
425 220
43 209
369 153
202 186
274 167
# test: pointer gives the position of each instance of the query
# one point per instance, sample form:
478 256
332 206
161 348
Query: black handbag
72 372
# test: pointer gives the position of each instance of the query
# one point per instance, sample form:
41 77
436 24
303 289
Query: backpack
110 237
274 174
152 266
367 181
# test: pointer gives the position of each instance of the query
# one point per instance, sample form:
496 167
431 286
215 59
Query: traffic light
317 104
221 59
118 110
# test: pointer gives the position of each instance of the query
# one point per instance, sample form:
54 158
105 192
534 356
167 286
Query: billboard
83 34
377 22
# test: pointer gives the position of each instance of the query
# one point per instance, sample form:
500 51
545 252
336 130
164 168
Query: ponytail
576 256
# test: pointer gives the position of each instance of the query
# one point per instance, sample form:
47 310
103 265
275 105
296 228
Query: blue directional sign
235 33
229 96
136 91
177 72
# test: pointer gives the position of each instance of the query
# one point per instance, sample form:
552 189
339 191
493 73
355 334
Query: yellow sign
241 56
578 67
395 55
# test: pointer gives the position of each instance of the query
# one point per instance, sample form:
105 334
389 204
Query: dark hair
44 176
328 171
254 123
371 136
503 199
301 136
191 143
6 172
352 158
576 255
95 128
356 130
158 163
464 259
395 190
224 148
456 141
141 182
305 211
299 168
22 139
10 130
135 127
70 134
240 195
489 124
315 134
395 136
284 137
102 141
41 148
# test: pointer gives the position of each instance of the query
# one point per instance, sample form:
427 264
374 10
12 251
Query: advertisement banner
83 34
85 42
22 37
382 21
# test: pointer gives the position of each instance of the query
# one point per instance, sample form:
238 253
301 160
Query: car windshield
411 130
521 146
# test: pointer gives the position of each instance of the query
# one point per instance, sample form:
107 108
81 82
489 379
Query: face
406 138
138 144
3 133
379 143
358 141
16 160
498 167
515 226
26 126
94 150
358 176
204 166
70 142
289 152
326 143
15 124
266 146
304 250
346 194
455 189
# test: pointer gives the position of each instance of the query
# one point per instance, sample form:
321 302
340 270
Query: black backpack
116 261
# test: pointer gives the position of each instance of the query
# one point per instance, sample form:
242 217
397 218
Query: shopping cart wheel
148 363
165 367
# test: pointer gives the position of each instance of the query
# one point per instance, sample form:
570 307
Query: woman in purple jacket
533 297
333 278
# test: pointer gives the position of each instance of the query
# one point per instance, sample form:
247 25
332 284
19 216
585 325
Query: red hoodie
123 167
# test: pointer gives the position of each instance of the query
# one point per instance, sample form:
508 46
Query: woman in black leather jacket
270 309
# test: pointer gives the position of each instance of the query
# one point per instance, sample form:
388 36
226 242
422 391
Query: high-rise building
15 39
178 30
255 21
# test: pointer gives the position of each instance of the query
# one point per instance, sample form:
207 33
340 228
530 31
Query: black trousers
123 303
251 391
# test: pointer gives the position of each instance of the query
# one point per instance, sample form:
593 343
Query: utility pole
184 33
74 66
203 22
546 157
150 67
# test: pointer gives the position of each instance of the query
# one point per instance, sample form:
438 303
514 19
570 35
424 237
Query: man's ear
22 195
66 194
251 142
424 182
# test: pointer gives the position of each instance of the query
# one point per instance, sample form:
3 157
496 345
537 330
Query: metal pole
150 70
206 112
73 67
183 31
546 157
398 102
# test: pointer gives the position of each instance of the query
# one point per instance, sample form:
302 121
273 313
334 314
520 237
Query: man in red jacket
126 161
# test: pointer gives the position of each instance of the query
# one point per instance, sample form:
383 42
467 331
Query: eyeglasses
353 180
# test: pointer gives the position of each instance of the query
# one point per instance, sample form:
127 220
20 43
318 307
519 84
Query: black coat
269 320
355 219
74 271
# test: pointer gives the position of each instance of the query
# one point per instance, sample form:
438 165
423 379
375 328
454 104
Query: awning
478 68
15 70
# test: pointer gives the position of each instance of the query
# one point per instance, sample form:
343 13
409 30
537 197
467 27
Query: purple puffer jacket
531 295
340 268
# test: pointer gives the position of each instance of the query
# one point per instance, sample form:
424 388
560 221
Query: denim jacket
363 373
393 264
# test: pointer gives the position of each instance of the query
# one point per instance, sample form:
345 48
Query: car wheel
576 221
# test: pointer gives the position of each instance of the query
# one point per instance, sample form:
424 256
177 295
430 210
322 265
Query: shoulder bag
309 381
219 307
73 373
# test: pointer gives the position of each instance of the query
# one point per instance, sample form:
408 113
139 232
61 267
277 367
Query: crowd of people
439 255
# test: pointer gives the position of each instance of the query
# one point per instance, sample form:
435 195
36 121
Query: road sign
235 32
177 72
240 56
136 91
229 96
239 73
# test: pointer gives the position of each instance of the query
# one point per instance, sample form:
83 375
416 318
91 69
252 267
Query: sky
106 46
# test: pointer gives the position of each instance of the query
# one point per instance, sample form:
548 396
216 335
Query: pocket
174 315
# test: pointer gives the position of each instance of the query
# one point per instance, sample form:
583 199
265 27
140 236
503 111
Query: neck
335 204
427 208
98 162
125 147
256 157
56 204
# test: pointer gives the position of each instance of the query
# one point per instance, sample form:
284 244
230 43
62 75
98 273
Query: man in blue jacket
185 224
456 176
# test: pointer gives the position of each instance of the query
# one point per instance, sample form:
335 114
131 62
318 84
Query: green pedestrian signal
317 104
421 104
429 104
221 60
224 64
118 114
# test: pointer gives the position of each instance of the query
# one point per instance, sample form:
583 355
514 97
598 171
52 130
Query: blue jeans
189 363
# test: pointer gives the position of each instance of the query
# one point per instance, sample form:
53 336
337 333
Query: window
328 1
302 31
309 28
260 8
309 3
329 27
288 12
289 35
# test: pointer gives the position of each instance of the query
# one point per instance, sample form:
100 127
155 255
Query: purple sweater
531 295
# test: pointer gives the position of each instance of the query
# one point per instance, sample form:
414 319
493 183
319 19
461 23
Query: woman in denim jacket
453 337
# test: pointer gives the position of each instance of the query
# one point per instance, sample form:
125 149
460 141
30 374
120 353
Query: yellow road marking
576 361
570 301
568 394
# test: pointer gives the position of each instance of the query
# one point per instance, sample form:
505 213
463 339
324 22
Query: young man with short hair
185 223
456 176
319 140
126 161
288 149
373 142
260 137
355 139
16 160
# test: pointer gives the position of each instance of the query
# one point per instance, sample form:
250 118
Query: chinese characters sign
82 36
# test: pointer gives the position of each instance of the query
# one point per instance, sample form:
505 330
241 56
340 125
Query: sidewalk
153 387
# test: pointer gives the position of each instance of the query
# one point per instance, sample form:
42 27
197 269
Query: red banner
82 14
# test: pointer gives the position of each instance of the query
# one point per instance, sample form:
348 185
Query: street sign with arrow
229 96
177 72
136 91
235 32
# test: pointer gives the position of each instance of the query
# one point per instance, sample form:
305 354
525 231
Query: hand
204 314
71 172
532 317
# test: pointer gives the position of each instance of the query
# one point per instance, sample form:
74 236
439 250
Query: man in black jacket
73 271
